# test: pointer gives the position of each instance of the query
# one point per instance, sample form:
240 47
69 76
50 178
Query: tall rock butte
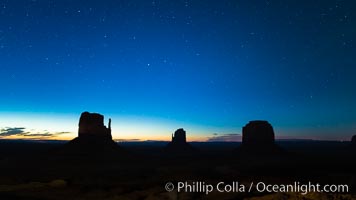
258 138
257 132
179 137
353 143
94 138
92 125
179 143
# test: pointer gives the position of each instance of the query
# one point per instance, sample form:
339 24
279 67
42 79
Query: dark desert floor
34 170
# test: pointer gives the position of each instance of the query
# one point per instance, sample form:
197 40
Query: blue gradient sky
155 66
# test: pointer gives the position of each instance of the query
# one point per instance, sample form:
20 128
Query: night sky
155 66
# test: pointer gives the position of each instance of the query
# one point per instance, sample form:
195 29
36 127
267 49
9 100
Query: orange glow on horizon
71 136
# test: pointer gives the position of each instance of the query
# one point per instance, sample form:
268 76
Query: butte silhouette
179 143
94 138
353 144
258 138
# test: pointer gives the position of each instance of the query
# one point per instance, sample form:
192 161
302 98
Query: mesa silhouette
179 143
353 144
139 170
258 138
94 138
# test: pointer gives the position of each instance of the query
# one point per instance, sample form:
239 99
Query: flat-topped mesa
257 133
92 125
179 136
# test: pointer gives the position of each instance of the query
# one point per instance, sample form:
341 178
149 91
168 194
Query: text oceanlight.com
303 188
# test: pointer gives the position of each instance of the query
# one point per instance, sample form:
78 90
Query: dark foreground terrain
35 170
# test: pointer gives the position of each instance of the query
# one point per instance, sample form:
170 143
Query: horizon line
196 141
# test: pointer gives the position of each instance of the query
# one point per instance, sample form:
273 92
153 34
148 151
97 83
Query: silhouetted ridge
179 143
